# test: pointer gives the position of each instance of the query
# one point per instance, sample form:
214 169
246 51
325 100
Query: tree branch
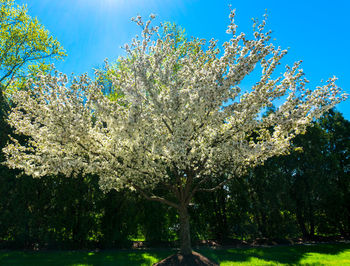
166 124
155 198
214 188
218 186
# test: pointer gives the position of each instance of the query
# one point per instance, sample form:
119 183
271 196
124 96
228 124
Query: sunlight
109 3
103 3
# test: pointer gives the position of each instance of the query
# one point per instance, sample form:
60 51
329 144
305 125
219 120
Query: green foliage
25 45
337 152
158 223
304 186
63 212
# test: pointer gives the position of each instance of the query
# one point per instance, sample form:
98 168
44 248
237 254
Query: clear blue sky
316 31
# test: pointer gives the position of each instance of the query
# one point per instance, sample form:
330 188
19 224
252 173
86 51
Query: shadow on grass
275 254
71 258
279 254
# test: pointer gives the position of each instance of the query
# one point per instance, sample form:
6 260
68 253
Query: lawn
320 254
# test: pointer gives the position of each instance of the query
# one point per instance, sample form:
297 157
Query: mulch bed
194 259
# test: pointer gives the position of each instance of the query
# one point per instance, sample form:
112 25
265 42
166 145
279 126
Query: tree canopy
25 44
170 128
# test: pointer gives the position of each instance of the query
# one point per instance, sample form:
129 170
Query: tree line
305 194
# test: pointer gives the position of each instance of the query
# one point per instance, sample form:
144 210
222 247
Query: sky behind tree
316 31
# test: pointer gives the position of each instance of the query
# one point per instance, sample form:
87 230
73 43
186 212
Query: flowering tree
179 119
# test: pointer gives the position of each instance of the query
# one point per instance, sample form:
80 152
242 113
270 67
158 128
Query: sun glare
112 2
138 5
103 3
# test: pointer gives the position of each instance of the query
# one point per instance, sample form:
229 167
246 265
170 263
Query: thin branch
89 151
166 124
214 188
187 195
198 189
155 198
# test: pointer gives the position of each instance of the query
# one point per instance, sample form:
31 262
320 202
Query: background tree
169 130
299 194
25 48
24 44
312 177
335 194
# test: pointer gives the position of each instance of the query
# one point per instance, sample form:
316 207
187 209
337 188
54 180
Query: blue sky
317 32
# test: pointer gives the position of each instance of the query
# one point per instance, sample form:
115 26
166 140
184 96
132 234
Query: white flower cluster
169 126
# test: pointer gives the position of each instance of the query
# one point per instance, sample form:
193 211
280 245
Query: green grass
321 254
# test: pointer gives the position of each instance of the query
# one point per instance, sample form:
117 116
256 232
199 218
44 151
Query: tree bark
185 237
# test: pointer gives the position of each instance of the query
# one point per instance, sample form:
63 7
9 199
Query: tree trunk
301 222
185 237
